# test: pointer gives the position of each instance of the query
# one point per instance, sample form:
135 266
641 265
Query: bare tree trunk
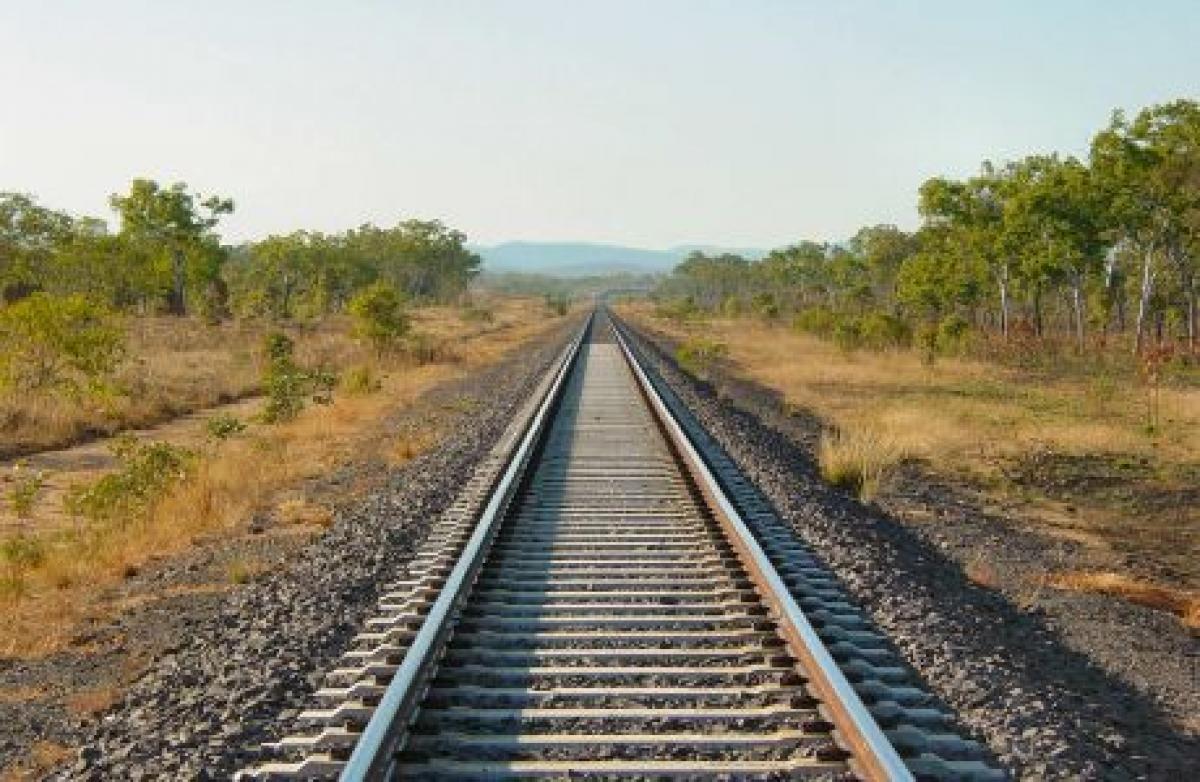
1004 319
1037 311
178 300
1077 304
1144 300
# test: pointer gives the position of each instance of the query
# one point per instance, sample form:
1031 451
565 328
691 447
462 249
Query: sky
651 123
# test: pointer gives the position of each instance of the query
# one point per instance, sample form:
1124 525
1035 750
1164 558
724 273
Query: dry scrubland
56 572
1070 447
177 365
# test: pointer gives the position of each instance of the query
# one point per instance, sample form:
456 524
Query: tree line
166 256
1048 245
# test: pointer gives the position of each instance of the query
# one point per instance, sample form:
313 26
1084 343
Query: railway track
622 605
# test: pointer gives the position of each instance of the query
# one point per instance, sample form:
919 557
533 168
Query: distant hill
582 259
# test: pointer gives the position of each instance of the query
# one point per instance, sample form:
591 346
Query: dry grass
955 413
176 366
42 757
1184 604
299 511
857 461
90 702
249 474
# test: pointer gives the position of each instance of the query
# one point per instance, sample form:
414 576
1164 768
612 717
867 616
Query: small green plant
58 343
846 334
20 553
953 334
698 354
26 486
881 331
222 426
819 321
288 385
147 470
379 315
361 381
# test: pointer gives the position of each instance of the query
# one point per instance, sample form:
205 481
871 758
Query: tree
29 236
52 343
379 315
179 223
1147 170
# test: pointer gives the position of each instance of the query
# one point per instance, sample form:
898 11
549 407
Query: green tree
58 343
178 223
379 315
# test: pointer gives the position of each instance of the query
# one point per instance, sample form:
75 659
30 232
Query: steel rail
375 752
871 750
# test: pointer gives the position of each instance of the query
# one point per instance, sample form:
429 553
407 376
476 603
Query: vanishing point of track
611 613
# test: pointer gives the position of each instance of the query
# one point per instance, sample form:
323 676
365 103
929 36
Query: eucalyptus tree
1147 170
178 223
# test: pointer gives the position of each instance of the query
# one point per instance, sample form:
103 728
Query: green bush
679 310
288 385
880 331
361 381
26 486
819 321
953 333
379 315
222 426
765 305
147 470
64 343
846 334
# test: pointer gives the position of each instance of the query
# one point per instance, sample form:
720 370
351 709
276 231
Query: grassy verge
1067 444
63 579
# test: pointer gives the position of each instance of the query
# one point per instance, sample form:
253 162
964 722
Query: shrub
846 334
379 315
816 320
20 554
65 343
558 303
27 485
765 305
857 461
678 311
361 381
222 426
953 333
147 470
288 385
697 355
880 331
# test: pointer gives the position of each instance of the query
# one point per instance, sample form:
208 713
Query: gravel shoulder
196 673
1061 685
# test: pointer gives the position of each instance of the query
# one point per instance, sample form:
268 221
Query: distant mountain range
582 259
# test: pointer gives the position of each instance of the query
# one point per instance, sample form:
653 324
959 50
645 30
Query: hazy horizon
731 124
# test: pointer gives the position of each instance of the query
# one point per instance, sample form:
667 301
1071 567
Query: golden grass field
256 470
1071 449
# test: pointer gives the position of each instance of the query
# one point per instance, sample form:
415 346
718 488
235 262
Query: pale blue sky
648 123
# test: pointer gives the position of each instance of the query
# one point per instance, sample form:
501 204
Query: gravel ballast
1016 677
247 663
